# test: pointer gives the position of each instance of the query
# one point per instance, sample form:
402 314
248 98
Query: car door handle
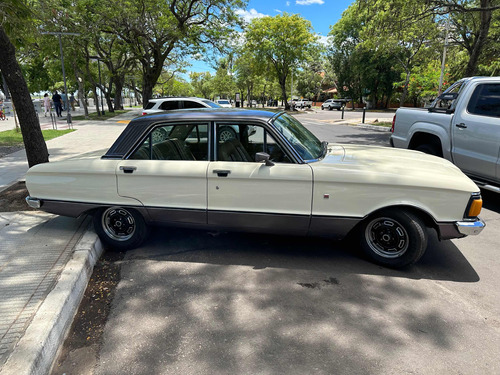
461 125
221 172
128 169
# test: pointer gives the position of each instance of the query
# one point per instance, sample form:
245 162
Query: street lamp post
68 117
443 62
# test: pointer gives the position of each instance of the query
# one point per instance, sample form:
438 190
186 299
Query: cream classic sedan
174 169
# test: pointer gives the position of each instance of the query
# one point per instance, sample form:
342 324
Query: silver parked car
333 104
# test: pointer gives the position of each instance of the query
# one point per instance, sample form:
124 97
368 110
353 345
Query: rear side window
190 104
485 100
169 105
150 105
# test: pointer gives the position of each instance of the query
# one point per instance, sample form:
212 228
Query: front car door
476 132
167 173
243 193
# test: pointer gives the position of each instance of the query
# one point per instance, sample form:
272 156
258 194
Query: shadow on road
442 261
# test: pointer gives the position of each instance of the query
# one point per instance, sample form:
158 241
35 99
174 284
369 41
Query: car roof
176 98
137 127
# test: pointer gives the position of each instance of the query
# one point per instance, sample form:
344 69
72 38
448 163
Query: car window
169 105
150 105
211 104
175 142
192 104
302 140
485 100
240 142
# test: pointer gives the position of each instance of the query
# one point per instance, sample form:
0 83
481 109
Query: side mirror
263 157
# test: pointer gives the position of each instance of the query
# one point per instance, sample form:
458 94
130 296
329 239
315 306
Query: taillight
393 122
144 113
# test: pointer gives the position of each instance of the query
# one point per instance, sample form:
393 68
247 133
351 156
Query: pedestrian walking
46 104
57 100
72 102
64 98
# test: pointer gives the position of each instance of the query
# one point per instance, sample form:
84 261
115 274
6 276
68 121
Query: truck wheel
394 238
120 228
429 148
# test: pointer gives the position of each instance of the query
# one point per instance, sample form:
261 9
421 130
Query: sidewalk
45 260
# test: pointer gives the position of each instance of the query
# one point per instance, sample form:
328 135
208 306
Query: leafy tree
16 16
159 31
202 84
285 41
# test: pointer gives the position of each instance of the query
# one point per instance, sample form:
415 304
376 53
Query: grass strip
14 137
93 116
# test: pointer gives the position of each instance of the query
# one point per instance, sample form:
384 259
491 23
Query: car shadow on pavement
442 261
370 137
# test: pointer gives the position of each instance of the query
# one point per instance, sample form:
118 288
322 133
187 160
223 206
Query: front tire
394 238
120 228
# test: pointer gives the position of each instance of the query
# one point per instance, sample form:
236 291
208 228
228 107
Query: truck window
485 100
448 104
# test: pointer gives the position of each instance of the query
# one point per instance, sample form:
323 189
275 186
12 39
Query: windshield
303 141
211 103
223 101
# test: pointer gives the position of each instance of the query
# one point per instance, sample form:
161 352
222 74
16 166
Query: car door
251 195
167 173
476 132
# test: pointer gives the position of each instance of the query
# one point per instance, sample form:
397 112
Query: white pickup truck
301 103
462 125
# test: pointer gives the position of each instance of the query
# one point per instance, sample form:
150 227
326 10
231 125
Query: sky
321 13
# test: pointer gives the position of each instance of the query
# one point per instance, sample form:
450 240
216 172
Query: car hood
390 166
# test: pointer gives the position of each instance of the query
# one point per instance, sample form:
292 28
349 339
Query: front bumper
469 228
33 202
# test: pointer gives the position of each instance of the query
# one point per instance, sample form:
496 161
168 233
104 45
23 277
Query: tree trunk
405 89
484 28
36 149
283 93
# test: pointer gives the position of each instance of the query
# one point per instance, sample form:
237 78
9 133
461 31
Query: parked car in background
167 169
224 103
300 103
462 125
167 104
330 104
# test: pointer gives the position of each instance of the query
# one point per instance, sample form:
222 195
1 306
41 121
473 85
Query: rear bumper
470 228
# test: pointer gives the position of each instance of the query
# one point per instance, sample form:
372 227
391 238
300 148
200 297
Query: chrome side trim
470 228
33 202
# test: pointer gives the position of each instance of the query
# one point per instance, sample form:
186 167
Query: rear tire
394 238
120 228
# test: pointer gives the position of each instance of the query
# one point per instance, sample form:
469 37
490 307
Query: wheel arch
424 215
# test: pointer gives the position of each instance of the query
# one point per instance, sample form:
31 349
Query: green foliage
284 41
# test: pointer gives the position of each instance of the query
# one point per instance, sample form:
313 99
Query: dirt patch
81 347
13 198
6 150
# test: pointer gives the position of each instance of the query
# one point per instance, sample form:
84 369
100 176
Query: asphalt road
194 302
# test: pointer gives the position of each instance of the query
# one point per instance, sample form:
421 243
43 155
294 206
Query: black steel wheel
120 228
394 238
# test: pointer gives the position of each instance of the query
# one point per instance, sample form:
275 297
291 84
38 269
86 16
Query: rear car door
167 173
476 132
243 193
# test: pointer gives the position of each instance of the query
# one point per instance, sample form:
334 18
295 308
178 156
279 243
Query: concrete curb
37 349
373 127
